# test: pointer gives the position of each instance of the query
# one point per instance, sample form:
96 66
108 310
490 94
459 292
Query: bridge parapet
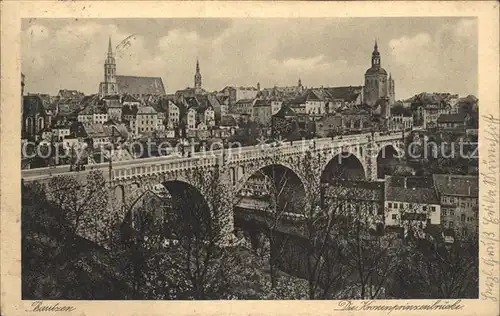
159 165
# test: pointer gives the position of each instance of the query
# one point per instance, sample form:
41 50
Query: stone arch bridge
128 180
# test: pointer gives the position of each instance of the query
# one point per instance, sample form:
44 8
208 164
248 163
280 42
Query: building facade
147 120
411 203
458 195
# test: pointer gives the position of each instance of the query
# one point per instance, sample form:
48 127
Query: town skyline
409 51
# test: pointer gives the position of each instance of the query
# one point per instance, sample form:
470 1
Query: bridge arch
277 181
387 157
344 164
177 206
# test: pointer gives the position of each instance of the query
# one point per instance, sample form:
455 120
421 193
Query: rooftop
410 189
146 110
140 85
452 118
457 185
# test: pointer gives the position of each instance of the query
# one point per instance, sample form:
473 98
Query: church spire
197 77
375 56
110 48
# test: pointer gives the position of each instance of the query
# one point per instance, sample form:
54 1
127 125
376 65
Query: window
394 216
424 208
450 224
395 205
462 217
389 205
433 208
452 213
444 212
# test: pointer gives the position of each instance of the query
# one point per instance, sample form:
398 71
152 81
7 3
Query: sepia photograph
195 158
212 159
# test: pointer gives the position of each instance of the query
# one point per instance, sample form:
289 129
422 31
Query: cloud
305 63
405 48
423 54
414 60
444 61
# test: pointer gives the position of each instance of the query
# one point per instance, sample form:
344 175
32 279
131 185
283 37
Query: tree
83 206
57 263
142 240
436 269
283 201
182 253
371 258
324 270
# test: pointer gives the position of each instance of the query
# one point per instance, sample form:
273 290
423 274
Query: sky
431 54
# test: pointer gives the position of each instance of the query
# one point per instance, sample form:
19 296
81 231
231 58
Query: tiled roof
88 110
111 97
451 118
204 102
160 106
470 99
242 101
129 110
140 85
430 98
298 100
70 94
285 111
94 130
146 110
458 185
90 99
113 104
344 93
262 102
414 192
191 102
129 98
228 120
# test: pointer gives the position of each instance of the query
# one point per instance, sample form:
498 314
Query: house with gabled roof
459 198
411 202
199 109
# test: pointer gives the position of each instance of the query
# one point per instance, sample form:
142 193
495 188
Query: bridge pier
371 161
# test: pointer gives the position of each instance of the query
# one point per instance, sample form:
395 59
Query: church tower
197 79
109 86
392 90
376 85
300 88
